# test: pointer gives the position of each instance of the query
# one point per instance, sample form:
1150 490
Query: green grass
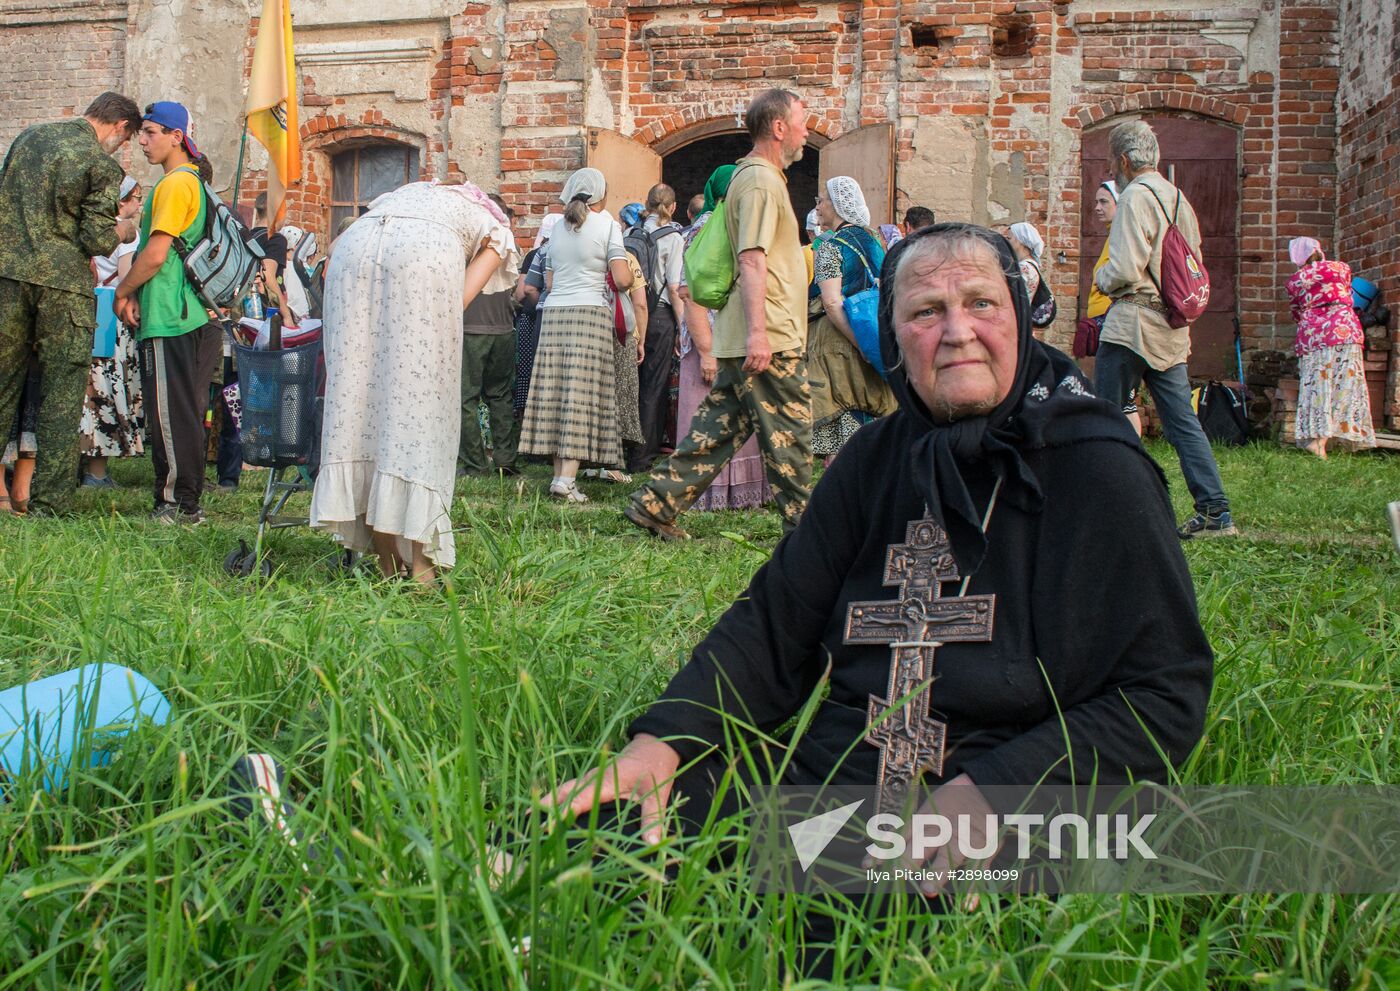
417 728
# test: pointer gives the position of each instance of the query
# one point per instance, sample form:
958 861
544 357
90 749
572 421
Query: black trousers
654 387
230 454
175 377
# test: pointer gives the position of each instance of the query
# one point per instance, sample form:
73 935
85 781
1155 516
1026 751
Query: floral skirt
113 423
1332 399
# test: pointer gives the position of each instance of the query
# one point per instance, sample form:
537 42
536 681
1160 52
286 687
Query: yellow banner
272 104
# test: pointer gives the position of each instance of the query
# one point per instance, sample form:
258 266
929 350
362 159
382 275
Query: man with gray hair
1137 343
759 339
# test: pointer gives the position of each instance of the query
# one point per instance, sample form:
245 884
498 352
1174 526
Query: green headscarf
718 186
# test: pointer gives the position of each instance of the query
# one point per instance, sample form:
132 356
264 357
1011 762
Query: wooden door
1202 158
867 156
630 167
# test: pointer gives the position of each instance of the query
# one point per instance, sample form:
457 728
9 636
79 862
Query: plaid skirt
571 411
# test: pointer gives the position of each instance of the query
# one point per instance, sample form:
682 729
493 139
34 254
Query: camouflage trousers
53 328
776 405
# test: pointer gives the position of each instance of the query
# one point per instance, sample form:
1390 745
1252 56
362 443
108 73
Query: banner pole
238 174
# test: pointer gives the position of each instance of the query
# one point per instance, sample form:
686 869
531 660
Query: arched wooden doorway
685 160
687 168
1203 158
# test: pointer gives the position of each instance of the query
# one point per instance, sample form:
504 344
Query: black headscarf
1050 405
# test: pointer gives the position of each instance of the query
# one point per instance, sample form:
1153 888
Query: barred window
360 175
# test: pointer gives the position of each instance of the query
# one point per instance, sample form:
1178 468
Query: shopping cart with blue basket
281 389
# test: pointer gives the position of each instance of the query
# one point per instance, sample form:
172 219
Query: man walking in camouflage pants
760 340
58 209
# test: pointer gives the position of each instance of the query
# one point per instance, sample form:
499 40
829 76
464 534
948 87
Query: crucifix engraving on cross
914 625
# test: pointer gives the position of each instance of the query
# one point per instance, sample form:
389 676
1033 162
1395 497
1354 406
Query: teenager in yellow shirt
179 342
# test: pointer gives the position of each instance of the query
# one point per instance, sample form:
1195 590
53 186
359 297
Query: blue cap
173 115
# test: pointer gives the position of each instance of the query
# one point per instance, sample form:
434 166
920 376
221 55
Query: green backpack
709 263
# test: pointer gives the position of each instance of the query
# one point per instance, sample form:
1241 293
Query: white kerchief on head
1300 249
848 200
546 230
1029 236
588 183
293 236
812 222
1112 188
128 184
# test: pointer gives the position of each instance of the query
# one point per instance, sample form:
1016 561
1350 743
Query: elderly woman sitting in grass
940 583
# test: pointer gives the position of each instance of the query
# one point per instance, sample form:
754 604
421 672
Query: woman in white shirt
1029 246
571 413
113 424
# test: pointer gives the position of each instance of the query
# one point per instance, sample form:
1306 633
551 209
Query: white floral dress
393 345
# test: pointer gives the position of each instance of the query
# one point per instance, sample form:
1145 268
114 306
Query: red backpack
1185 286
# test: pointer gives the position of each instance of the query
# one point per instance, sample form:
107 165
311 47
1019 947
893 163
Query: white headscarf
813 224
128 184
588 183
1030 237
848 200
547 227
1112 188
293 236
1300 249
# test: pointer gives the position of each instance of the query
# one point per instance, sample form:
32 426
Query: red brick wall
1368 199
53 70
658 67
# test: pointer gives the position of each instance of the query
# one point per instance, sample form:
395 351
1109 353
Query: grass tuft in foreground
418 728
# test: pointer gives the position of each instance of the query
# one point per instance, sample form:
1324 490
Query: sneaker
93 482
567 491
666 531
172 515
1208 525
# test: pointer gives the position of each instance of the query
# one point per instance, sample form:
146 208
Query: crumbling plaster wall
202 70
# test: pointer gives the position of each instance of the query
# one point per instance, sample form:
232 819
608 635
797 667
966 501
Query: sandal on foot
568 492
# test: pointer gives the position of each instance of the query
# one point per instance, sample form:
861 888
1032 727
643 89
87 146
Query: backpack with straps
642 245
223 259
1184 285
711 265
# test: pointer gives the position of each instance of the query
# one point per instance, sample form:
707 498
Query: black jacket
1095 622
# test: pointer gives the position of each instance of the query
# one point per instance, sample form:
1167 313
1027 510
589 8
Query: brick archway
691 124
1171 100
325 135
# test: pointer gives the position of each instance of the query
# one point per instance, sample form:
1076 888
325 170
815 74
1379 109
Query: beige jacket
1134 259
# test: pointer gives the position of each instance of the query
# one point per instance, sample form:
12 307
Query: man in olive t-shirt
760 340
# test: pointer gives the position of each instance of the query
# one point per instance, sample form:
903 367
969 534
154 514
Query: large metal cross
915 625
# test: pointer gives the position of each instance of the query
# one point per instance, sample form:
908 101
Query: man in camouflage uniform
760 340
58 208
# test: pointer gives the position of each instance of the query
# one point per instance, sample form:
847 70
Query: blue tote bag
863 313
104 338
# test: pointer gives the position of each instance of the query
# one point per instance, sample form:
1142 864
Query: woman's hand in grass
643 773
